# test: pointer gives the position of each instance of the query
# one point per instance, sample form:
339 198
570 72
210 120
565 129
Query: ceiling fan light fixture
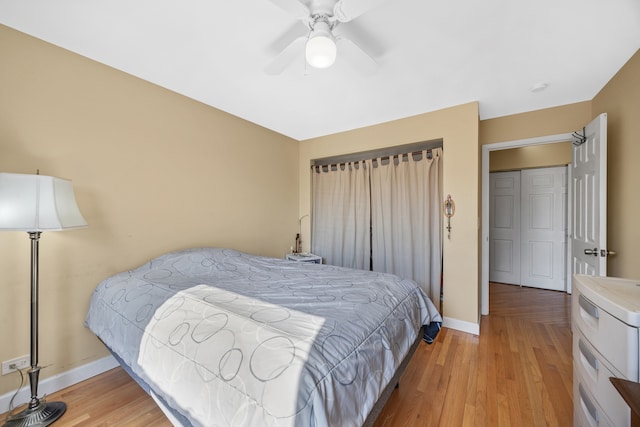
320 50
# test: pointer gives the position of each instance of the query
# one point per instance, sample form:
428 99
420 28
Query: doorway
528 226
588 174
486 150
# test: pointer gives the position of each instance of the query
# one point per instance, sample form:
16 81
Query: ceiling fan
320 45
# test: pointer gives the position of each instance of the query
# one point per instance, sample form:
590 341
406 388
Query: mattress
226 338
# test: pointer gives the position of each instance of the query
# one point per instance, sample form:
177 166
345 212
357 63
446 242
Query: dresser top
618 297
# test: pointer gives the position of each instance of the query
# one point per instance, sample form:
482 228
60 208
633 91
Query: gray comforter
226 338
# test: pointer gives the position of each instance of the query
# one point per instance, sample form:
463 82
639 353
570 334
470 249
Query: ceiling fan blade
346 10
363 38
286 56
358 58
295 31
294 7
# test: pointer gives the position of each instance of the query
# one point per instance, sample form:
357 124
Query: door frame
486 150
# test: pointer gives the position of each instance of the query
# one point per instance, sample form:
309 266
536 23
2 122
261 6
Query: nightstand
304 258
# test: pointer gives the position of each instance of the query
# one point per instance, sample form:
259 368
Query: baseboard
461 325
58 382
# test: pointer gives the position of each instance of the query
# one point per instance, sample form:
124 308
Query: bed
223 338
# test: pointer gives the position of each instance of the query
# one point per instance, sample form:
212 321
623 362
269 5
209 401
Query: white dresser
605 322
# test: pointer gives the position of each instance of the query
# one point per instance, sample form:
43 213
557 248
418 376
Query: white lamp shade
37 203
320 50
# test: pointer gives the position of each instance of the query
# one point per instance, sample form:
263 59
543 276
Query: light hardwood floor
518 372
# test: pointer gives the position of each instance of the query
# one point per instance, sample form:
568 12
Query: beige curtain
406 197
384 216
341 218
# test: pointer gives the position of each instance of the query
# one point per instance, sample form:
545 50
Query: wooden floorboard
518 372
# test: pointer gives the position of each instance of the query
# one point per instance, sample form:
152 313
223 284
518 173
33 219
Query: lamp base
42 415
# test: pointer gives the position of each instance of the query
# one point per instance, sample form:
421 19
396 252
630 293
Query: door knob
593 251
605 253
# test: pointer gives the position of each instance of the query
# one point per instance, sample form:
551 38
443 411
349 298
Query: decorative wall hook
449 209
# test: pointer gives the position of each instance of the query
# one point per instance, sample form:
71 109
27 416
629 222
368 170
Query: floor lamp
37 203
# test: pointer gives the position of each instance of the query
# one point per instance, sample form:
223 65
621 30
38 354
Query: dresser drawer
586 412
593 372
614 339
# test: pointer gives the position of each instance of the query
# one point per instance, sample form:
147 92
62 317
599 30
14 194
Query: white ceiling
431 54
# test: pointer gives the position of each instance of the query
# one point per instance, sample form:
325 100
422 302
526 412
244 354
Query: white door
589 205
543 227
504 227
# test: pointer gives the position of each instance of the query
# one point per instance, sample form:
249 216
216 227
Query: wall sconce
449 209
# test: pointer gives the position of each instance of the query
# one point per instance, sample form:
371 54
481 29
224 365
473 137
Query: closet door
504 227
544 228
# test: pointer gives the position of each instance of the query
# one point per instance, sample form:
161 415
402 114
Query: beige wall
620 99
153 171
550 121
458 128
536 156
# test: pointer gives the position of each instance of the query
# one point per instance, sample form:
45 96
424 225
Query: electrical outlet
13 365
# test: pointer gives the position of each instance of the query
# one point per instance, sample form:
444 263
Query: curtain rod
406 149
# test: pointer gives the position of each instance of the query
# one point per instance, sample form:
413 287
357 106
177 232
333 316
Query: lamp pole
34 372
39 412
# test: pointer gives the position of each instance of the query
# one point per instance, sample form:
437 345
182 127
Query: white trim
484 276
58 382
569 259
461 325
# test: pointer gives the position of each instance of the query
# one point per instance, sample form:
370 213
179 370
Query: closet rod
383 152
